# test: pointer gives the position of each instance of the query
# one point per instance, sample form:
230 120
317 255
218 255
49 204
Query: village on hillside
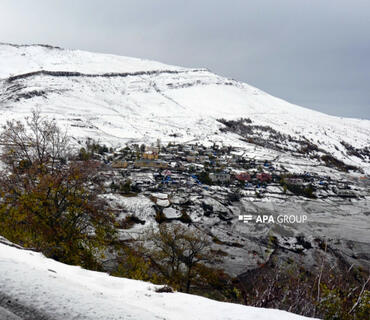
191 167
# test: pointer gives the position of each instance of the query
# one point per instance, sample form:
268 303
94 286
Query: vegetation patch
130 221
48 203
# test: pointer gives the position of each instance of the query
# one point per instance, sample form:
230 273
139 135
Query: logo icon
245 218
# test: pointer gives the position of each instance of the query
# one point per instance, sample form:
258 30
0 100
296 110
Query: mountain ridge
117 100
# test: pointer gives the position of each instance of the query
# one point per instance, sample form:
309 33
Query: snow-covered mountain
117 99
34 287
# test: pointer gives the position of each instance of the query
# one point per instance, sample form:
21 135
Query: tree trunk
188 281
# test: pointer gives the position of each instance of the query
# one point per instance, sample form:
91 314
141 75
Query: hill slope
117 99
58 291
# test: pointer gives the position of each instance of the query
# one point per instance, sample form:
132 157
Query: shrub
130 221
126 187
204 178
159 216
185 218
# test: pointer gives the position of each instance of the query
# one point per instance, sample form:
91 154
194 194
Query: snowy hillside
22 59
29 281
294 161
117 100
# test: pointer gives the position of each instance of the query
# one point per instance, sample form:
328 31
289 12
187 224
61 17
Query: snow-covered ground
58 291
118 99
17 59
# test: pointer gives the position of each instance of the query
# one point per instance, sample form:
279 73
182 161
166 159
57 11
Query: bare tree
37 141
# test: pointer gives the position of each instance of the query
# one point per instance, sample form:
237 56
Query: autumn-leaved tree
47 201
176 252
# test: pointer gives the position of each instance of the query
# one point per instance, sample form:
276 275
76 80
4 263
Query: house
152 149
297 181
172 149
243 176
166 173
192 152
345 193
220 177
167 156
180 166
145 163
264 177
203 158
150 155
190 158
142 178
120 164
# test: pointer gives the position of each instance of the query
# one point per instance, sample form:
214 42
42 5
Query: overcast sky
314 53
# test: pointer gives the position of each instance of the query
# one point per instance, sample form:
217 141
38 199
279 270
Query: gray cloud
315 53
